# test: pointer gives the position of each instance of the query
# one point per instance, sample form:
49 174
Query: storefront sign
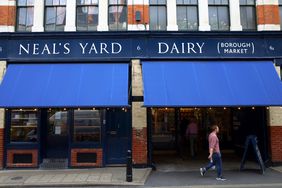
144 46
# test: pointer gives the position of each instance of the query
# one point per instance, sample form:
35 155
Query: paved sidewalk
72 177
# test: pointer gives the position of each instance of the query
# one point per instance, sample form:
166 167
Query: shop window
25 15
219 15
163 128
187 14
55 15
87 15
24 125
280 13
117 15
248 14
158 15
87 126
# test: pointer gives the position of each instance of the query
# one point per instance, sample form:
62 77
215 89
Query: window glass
187 15
55 15
87 126
25 14
158 15
57 122
219 15
117 15
24 125
248 14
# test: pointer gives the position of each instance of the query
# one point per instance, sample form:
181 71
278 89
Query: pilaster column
38 19
235 19
171 15
2 117
70 15
203 8
139 117
103 16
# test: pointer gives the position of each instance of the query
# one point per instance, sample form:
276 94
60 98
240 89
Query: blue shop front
68 96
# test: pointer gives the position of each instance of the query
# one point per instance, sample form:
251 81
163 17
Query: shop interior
170 144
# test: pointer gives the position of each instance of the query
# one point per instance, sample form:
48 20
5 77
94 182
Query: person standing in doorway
192 135
214 154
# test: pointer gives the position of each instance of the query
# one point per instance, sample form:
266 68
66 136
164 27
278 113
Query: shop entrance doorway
117 129
171 148
56 139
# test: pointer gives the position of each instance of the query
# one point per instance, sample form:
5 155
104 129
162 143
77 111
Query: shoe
202 171
220 179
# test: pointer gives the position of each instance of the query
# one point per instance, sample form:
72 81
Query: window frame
245 5
158 5
9 127
82 143
188 5
117 24
26 6
87 5
56 9
218 5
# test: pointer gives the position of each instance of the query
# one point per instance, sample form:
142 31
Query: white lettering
83 47
24 49
45 48
35 49
118 48
93 48
200 47
103 47
66 47
160 48
54 49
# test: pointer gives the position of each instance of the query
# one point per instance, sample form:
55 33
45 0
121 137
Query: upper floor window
280 12
25 14
87 15
219 15
117 15
55 15
158 15
248 14
187 14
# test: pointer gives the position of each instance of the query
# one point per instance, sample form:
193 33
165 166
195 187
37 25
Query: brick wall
276 143
99 153
139 146
1 147
143 9
8 15
10 158
268 14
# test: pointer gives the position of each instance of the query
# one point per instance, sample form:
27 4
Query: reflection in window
57 122
187 14
248 14
25 14
158 15
117 15
23 126
87 126
55 15
87 15
219 15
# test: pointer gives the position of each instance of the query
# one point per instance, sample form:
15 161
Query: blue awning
221 83
65 85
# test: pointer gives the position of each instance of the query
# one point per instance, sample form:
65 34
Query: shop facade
88 98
